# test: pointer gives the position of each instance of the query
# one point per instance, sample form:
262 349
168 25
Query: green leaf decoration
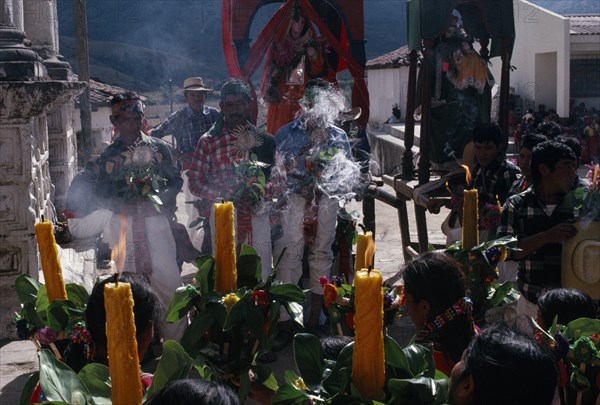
77 295
309 358
501 293
418 391
182 301
265 376
287 292
341 375
58 314
420 359
59 382
582 327
41 302
32 316
96 378
192 339
205 276
395 358
174 364
28 388
27 288
249 267
288 394
238 313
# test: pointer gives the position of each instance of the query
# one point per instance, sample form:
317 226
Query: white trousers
320 255
165 277
196 234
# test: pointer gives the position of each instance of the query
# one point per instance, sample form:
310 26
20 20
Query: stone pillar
17 60
26 187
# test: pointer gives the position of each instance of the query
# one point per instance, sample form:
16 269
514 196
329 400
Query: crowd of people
287 208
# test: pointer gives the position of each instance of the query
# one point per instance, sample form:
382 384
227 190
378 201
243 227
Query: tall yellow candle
226 273
365 251
368 361
470 226
53 278
123 360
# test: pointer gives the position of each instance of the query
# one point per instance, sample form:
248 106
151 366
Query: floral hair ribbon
462 306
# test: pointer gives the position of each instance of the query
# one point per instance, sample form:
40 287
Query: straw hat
580 258
193 84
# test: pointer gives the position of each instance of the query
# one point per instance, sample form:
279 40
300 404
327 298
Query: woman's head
567 304
433 282
147 310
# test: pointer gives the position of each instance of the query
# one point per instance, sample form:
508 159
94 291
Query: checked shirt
523 215
187 126
495 180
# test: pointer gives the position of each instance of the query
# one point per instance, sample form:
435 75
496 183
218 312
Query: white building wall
541 57
386 87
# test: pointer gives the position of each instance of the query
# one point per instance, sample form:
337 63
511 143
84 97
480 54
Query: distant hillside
142 44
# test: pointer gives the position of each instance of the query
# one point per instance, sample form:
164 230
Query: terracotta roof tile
396 58
102 93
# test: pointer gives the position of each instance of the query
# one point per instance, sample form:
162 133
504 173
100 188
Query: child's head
331 346
567 304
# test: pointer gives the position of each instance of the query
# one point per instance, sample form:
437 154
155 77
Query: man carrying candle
541 221
137 180
217 171
310 147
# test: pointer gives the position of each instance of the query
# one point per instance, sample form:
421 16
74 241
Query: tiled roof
102 93
392 59
588 24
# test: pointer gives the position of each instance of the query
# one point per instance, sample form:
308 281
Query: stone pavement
18 358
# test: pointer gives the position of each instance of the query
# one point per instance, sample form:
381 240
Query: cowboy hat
192 84
580 258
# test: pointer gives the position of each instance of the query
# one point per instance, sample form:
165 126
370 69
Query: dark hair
437 278
549 153
194 391
488 133
530 141
124 96
331 346
566 303
146 308
237 87
509 368
572 143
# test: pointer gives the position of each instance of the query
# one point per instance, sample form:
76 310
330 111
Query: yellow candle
123 361
368 361
498 203
226 273
365 251
55 285
470 226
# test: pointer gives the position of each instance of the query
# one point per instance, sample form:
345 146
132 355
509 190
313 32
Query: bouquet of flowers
479 266
49 324
339 303
229 331
576 347
587 201
141 182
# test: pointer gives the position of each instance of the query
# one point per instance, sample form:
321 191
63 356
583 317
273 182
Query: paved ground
18 359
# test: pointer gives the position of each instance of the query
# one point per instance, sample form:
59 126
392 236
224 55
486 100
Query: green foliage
228 331
410 373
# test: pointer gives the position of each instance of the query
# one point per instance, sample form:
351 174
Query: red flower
330 293
260 298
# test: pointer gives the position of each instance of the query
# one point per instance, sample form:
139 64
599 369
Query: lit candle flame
118 252
467 174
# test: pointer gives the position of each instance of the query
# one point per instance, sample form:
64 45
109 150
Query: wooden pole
83 70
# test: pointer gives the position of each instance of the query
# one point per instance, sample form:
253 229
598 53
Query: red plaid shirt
212 174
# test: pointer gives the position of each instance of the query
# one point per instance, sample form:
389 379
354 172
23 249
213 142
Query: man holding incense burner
316 156
138 182
232 162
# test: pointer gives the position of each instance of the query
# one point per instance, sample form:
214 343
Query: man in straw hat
186 126
542 221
